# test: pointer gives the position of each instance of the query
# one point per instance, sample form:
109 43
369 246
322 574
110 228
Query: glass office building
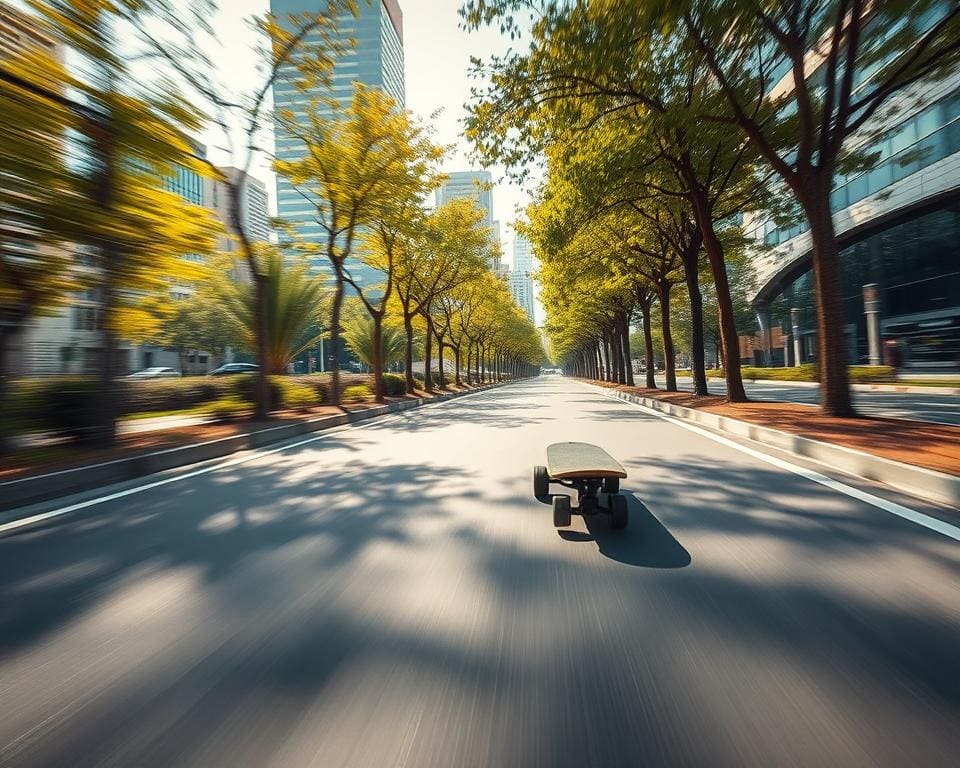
376 60
898 230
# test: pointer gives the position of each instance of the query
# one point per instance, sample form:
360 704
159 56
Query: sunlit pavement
919 406
393 595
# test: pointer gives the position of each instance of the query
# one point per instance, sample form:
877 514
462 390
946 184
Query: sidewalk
862 387
931 446
56 469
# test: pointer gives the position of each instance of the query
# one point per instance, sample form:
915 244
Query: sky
437 60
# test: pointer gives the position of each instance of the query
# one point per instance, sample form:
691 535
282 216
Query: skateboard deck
570 460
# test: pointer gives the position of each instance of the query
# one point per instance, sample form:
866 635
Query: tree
360 333
358 163
451 251
36 204
198 323
293 303
131 134
299 50
866 54
398 218
603 71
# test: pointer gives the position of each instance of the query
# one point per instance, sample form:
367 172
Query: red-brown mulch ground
933 446
65 456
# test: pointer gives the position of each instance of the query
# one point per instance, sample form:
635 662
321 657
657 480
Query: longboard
572 460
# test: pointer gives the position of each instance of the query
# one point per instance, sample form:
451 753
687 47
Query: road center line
932 523
14 525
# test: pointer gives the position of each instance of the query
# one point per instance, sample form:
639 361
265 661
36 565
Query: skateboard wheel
611 485
618 512
541 481
561 511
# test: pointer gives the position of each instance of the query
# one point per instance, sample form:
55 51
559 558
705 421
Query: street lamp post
795 328
871 308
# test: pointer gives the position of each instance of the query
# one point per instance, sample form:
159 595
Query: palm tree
294 300
358 332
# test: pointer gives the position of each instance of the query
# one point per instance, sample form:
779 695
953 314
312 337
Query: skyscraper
521 280
376 60
473 185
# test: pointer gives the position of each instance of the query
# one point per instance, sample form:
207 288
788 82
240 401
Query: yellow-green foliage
229 408
357 393
858 373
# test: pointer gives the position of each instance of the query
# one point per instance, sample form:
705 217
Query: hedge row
857 373
67 404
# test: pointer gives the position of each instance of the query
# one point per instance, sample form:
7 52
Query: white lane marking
948 530
13 525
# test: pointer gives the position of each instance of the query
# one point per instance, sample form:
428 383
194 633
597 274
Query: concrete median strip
916 481
52 485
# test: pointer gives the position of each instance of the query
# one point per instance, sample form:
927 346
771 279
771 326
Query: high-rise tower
376 60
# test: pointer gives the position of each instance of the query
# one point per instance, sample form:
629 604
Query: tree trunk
456 365
105 181
6 337
408 357
104 434
728 325
669 363
379 390
335 342
469 361
691 262
645 302
619 375
427 362
831 351
443 381
625 343
260 313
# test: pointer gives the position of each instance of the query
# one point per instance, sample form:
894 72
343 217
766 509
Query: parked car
233 368
156 373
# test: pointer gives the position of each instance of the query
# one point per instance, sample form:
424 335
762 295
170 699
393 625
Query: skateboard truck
592 473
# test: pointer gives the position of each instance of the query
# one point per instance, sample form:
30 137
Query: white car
156 373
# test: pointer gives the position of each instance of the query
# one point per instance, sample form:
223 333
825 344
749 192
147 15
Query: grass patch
857 373
197 410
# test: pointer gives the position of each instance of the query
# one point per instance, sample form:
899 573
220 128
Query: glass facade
923 139
916 266
187 184
376 60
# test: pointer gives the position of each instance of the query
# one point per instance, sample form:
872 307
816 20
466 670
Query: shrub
320 386
858 373
394 384
872 373
174 394
298 396
68 406
229 408
357 393
244 386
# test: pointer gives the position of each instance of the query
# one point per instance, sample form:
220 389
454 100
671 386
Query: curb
916 481
905 389
52 485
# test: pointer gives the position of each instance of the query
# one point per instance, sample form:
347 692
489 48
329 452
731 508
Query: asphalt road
393 595
920 406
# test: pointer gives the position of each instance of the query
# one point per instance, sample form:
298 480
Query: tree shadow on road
209 523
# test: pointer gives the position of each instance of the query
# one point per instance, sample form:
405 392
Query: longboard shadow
644 543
